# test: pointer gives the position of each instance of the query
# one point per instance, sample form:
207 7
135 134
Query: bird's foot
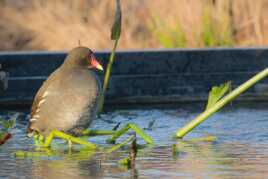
40 141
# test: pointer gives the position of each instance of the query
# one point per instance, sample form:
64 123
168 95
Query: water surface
241 149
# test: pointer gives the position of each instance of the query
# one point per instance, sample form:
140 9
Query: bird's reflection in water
72 165
82 164
66 169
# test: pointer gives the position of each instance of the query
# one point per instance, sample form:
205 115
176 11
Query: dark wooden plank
132 88
3 81
147 62
146 76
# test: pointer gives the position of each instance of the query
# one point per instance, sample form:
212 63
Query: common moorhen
67 100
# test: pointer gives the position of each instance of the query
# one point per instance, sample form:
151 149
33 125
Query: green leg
38 140
135 128
41 140
67 137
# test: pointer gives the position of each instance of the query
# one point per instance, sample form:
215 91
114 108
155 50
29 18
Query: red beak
95 64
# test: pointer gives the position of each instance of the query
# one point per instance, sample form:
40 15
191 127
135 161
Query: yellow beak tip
100 67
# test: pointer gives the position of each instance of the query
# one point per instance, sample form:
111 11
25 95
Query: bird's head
82 57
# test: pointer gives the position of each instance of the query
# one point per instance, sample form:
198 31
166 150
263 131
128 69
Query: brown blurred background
60 24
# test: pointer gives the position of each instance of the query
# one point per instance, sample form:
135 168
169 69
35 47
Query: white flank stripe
45 94
32 119
41 102
36 116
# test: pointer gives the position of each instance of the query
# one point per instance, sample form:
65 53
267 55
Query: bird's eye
89 57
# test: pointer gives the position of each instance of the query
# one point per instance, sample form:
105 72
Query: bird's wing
60 104
40 94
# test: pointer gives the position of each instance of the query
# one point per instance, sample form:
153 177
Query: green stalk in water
115 35
107 77
117 146
136 129
97 132
225 100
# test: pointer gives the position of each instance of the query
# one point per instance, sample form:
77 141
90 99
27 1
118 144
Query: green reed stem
229 97
107 77
117 146
98 132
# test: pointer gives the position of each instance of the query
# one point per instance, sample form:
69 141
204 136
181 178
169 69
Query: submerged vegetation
5 128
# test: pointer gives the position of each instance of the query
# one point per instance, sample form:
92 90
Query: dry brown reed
60 24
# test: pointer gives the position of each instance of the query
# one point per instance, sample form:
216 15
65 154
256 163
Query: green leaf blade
116 28
216 93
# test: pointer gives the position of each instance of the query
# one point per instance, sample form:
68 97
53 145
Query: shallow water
241 149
